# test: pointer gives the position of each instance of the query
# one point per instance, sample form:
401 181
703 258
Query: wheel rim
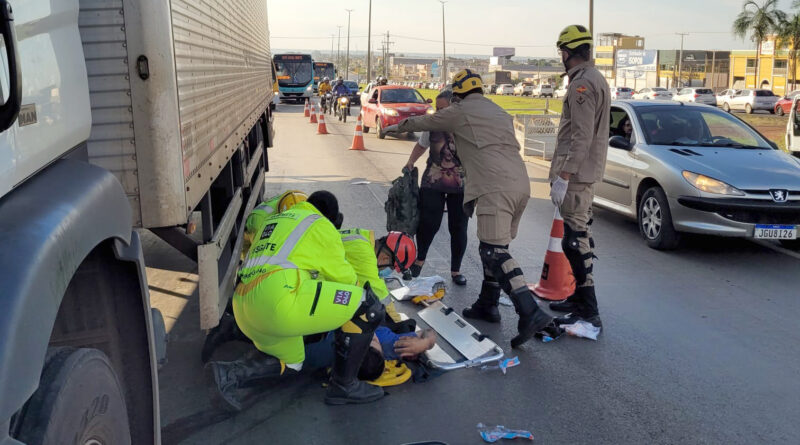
651 218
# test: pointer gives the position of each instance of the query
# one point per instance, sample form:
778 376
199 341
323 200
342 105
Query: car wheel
379 129
79 400
772 111
748 109
780 111
726 108
655 220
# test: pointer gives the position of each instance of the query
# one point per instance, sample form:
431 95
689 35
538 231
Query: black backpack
402 205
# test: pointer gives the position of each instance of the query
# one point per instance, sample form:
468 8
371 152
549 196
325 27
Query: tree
759 21
789 35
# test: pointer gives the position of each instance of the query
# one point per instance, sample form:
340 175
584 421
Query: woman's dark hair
372 366
328 205
446 95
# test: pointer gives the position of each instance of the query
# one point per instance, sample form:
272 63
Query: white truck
117 115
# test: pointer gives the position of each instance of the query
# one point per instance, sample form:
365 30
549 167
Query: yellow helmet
465 80
289 199
574 36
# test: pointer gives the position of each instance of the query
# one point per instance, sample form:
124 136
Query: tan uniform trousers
577 213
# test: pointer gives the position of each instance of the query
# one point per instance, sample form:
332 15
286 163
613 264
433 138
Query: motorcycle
324 102
342 108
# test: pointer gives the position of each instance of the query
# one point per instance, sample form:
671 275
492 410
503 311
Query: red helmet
402 248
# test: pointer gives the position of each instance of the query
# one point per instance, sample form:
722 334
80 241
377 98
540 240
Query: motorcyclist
382 81
340 89
324 86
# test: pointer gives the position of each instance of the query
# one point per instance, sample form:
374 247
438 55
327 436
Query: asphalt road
700 345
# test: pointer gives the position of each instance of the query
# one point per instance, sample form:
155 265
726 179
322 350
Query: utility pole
338 49
332 37
680 58
347 57
713 63
369 43
591 17
386 47
444 46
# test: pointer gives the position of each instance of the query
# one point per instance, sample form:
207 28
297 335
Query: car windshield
697 127
401 96
764 93
659 89
703 91
546 86
352 86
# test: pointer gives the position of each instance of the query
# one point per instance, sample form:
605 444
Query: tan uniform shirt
583 133
485 144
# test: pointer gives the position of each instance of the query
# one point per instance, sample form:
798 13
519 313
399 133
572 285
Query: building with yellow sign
606 52
774 73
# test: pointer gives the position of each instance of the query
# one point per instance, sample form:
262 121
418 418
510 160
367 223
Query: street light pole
444 46
339 48
369 43
591 17
680 58
347 57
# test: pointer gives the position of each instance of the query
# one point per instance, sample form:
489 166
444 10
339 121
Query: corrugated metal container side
223 67
175 88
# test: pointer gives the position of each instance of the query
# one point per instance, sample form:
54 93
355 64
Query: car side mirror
373 101
773 145
619 142
430 101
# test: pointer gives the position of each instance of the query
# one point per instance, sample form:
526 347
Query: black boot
344 385
486 307
531 318
351 347
227 330
569 305
229 377
585 301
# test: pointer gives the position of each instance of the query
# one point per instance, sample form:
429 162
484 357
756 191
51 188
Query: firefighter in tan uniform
577 165
497 189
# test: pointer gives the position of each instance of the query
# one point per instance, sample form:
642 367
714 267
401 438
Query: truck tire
79 400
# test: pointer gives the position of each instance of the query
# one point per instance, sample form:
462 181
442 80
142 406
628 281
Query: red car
390 104
784 105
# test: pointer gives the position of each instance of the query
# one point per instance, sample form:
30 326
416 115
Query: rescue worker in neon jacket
296 281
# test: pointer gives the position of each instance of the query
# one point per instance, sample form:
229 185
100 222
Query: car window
704 91
678 126
764 93
744 93
619 118
402 95
685 91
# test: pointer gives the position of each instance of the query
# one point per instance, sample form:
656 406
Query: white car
543 90
621 93
697 95
725 96
655 93
560 92
523 89
505 89
752 100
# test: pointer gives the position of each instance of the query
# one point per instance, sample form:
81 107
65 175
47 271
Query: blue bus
321 71
295 75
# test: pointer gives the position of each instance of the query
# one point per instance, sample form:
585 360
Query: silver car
694 168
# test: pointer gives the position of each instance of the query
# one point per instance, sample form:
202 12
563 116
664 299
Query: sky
475 26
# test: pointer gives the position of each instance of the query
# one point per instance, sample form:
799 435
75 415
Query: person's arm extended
420 147
443 120
582 107
411 346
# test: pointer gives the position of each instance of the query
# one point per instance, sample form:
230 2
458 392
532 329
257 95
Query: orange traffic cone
358 136
321 128
313 119
307 110
557 282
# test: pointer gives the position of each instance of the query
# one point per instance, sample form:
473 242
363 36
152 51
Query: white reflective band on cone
555 245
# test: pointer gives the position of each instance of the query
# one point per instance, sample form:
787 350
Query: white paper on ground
424 285
583 329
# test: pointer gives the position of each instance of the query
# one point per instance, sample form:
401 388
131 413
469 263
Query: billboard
503 52
636 63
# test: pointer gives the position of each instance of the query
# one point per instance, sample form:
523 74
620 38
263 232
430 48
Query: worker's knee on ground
572 250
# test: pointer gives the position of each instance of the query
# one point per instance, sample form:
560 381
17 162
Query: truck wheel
79 400
655 220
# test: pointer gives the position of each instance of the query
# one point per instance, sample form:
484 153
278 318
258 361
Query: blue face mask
386 272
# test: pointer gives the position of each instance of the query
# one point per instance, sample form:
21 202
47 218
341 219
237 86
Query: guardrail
537 132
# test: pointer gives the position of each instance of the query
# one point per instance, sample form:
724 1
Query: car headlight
390 112
710 185
430 111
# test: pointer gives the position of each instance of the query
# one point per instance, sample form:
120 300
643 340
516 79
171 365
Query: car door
618 175
793 127
738 99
